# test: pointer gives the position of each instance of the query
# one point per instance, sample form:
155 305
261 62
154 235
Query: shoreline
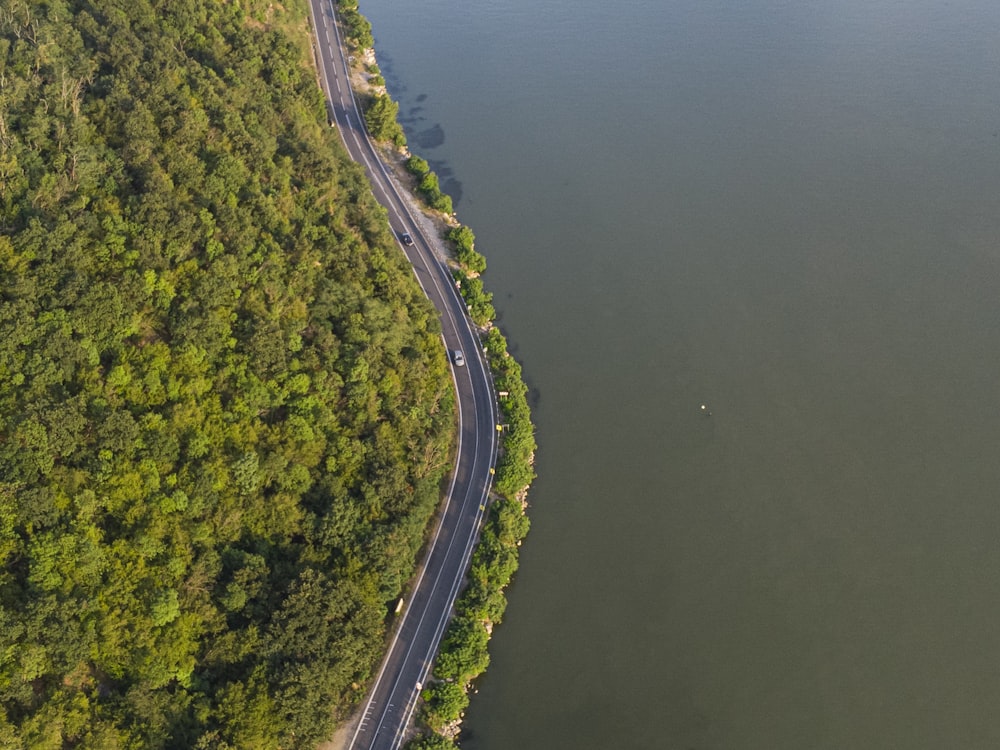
480 604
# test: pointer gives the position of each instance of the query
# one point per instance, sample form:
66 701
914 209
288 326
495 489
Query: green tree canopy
224 407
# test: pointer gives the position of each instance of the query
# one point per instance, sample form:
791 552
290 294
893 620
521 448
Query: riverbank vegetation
358 29
381 112
463 654
515 468
224 407
381 119
464 242
428 185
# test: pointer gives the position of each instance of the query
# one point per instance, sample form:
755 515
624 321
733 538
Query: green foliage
463 655
463 650
417 166
478 300
380 118
359 29
514 468
430 742
494 562
428 185
224 408
444 703
442 202
463 238
465 250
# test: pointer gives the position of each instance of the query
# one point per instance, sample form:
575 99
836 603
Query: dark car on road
406 238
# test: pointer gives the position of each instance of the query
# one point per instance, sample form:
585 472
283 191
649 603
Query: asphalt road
390 703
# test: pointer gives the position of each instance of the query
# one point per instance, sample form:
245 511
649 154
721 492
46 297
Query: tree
380 119
417 166
224 408
430 742
444 703
465 241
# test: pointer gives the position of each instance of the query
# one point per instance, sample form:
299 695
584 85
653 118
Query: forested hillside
224 409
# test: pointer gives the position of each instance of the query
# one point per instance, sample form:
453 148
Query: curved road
392 698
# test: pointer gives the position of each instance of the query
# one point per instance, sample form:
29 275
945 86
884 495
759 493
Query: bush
463 655
429 185
463 651
430 742
444 703
216 463
380 118
463 238
359 29
478 300
464 241
514 469
416 165
442 202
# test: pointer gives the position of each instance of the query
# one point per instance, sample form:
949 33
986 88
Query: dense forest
224 406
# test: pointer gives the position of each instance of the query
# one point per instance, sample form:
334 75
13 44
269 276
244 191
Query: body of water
790 213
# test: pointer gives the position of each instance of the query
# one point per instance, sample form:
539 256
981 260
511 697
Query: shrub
416 165
430 742
465 252
463 653
478 300
380 118
429 185
359 29
444 703
442 202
